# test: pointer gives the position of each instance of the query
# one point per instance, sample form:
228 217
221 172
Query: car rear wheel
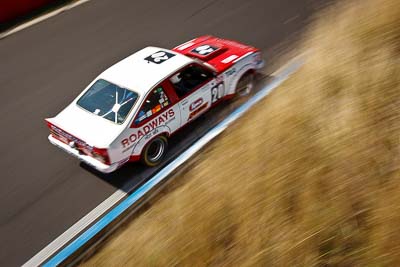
245 84
154 151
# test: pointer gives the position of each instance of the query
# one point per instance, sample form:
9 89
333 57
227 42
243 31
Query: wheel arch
166 134
245 70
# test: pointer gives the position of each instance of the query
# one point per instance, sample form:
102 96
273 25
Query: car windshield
108 101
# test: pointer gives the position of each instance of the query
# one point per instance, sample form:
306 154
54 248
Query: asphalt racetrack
42 68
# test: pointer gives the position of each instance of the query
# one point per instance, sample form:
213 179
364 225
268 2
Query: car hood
88 127
220 53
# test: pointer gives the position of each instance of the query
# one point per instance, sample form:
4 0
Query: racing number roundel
204 50
159 57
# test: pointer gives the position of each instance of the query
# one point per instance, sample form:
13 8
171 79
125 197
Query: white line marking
42 18
115 198
74 230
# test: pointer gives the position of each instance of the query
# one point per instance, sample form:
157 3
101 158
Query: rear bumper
86 159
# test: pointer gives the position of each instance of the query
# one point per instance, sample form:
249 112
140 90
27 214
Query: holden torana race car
131 109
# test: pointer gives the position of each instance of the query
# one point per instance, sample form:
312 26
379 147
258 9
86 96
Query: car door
158 114
193 85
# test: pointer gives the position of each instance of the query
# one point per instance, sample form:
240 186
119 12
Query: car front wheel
154 151
245 84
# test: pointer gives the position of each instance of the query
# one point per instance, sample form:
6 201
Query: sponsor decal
159 57
258 59
156 101
230 71
156 109
149 127
197 111
196 104
142 116
69 139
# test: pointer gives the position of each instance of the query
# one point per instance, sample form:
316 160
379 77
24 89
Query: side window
190 78
155 102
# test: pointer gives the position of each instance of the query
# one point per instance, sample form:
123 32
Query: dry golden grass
310 177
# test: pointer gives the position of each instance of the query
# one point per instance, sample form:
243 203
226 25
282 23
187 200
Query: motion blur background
309 177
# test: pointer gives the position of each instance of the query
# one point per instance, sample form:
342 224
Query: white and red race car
131 109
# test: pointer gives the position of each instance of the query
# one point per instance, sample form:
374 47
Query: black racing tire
245 84
154 152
